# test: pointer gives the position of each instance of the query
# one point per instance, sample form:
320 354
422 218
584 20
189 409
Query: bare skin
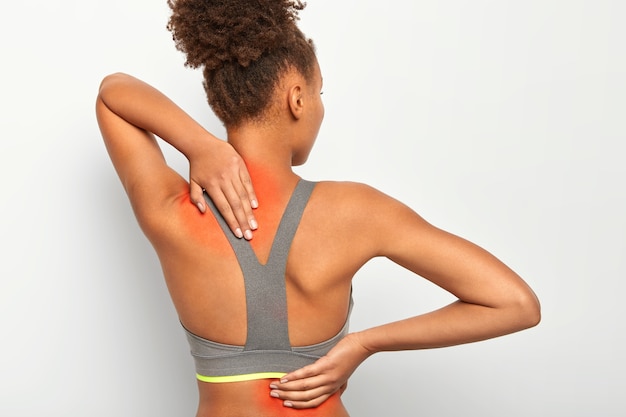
355 222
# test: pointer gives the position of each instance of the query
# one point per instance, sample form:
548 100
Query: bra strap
266 298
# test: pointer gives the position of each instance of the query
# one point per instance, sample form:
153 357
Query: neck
268 155
268 158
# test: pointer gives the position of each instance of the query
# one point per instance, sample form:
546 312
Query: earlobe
296 102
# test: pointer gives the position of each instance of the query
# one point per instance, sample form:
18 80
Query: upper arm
461 267
138 161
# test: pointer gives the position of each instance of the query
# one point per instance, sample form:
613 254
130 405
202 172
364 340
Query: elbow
110 81
529 310
105 85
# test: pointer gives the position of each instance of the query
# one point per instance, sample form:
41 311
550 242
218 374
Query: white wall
502 122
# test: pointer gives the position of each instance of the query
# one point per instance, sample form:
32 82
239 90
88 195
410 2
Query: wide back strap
266 298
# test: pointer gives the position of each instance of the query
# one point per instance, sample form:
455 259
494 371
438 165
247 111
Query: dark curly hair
244 47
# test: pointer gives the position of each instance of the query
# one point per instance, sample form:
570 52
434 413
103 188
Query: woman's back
206 282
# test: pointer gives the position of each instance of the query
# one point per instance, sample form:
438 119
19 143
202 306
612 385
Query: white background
500 121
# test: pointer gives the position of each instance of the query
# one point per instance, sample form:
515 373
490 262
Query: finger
249 190
305 389
316 402
247 203
302 373
304 384
307 396
305 393
196 196
237 198
224 207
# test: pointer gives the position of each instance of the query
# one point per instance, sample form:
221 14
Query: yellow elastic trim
239 378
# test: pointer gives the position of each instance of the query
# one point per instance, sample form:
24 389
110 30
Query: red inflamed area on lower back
275 407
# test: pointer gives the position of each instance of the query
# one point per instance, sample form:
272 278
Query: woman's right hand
218 169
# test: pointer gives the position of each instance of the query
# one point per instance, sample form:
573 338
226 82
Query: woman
267 317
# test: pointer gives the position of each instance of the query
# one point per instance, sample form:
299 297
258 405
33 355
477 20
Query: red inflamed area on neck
265 183
204 229
272 201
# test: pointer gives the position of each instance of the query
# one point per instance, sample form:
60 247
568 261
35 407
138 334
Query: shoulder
356 197
363 212
348 192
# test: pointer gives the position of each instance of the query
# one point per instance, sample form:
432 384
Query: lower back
252 399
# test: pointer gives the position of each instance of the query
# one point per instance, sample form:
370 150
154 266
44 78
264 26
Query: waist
252 399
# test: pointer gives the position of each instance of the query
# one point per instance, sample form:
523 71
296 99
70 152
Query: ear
296 101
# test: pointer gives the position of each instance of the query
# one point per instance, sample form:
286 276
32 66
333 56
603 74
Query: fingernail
238 233
200 206
248 234
254 204
288 404
274 394
273 386
253 224
283 381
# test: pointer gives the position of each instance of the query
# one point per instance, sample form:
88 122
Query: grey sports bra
268 352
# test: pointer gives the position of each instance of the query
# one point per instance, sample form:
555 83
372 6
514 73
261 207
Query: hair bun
214 32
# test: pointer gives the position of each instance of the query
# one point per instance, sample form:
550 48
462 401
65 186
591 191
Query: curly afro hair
244 47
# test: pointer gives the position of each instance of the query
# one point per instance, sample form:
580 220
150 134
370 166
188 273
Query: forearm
455 324
147 108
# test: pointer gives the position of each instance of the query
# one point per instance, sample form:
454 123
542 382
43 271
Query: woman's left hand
310 386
